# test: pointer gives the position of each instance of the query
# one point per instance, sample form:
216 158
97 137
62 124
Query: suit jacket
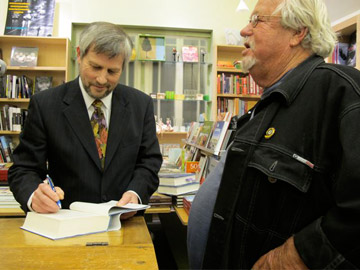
58 139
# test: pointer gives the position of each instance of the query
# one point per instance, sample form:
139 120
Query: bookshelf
186 81
344 29
234 88
53 60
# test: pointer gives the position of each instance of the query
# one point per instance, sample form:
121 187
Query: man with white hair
286 195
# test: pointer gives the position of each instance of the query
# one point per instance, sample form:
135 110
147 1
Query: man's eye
96 67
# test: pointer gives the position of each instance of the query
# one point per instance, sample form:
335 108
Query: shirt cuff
140 202
30 202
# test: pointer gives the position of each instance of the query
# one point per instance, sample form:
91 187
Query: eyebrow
96 64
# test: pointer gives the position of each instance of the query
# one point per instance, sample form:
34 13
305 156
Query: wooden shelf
183 216
172 137
231 70
250 97
345 29
53 61
37 68
11 212
158 210
8 132
15 100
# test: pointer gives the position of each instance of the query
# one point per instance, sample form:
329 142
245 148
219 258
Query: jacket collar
290 87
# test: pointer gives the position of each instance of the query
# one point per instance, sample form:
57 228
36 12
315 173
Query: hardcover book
178 190
82 218
176 179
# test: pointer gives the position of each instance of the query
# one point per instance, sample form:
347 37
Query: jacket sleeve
149 159
29 157
332 241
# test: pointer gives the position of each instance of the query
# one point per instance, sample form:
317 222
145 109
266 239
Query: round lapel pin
269 133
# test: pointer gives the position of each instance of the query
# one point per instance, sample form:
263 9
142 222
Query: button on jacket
294 169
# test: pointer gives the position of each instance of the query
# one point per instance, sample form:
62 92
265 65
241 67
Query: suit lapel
78 118
118 123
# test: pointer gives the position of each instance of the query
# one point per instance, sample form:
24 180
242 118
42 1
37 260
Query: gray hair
105 38
311 14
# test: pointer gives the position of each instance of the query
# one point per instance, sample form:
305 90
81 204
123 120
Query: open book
82 218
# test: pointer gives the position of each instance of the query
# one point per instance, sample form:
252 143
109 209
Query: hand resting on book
128 197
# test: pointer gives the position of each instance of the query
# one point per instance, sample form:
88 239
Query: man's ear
298 36
78 53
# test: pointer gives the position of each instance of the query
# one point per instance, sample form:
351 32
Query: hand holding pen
45 198
51 184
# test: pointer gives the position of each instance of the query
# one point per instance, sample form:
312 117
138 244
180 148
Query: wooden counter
129 248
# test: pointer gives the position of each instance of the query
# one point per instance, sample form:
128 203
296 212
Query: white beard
247 63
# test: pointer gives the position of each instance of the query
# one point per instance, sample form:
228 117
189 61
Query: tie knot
97 103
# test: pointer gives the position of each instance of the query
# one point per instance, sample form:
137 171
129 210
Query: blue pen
53 188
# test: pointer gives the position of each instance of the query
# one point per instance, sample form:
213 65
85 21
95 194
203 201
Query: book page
108 208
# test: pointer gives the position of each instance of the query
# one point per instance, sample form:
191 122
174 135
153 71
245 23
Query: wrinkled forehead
266 7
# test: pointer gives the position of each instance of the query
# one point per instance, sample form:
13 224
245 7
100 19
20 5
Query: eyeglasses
254 19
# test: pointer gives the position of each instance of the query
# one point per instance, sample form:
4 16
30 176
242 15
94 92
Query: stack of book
4 168
177 183
160 200
187 201
178 200
7 199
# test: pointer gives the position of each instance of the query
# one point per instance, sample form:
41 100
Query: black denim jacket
294 169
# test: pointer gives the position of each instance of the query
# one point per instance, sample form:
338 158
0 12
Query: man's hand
128 197
283 257
44 199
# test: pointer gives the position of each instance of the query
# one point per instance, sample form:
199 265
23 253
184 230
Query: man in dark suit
58 136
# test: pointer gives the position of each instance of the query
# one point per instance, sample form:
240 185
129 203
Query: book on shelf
200 174
82 218
160 200
5 149
178 200
30 18
42 83
205 133
24 56
4 169
187 202
178 190
190 54
176 179
218 136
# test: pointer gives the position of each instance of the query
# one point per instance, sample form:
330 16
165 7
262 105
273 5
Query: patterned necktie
98 124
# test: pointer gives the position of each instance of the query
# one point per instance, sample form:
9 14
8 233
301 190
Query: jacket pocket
283 165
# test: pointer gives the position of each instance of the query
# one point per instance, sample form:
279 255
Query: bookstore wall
197 87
